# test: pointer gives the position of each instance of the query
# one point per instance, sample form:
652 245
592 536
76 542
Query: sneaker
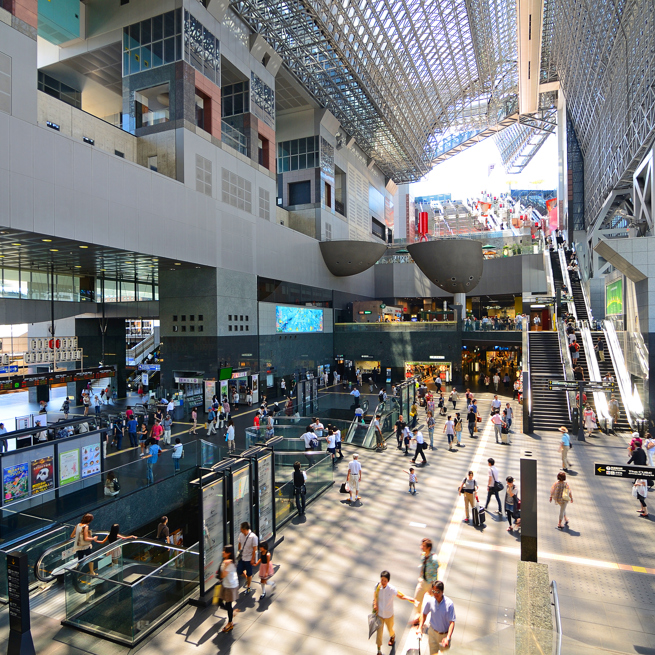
248 590
263 595
466 520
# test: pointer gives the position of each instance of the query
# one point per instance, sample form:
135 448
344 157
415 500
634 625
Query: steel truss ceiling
404 77
604 53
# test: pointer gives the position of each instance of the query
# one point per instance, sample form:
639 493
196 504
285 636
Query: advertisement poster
15 482
90 460
43 474
210 392
212 528
614 298
69 467
255 388
240 500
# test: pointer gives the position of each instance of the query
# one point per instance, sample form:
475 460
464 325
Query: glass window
111 291
169 23
64 289
146 32
135 60
169 51
128 293
135 35
10 283
145 293
157 28
157 53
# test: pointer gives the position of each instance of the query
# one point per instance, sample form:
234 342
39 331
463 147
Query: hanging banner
254 385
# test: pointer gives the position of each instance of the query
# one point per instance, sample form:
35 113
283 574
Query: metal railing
234 138
405 326
567 361
600 399
570 305
527 387
558 617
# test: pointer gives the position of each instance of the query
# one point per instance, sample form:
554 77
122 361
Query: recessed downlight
54 250
178 264
47 240
85 247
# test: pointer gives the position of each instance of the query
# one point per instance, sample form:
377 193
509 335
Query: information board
625 471
69 467
266 501
56 377
240 500
212 530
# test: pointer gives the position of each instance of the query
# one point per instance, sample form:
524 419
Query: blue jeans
431 435
149 474
97 410
176 461
133 440
509 423
459 436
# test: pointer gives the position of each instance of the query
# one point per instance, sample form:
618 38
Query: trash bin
178 412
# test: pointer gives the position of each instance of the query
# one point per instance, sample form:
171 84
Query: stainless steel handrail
558 617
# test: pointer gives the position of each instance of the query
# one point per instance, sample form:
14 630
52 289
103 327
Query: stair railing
567 362
600 398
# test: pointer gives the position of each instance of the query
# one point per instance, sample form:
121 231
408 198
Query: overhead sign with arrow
624 471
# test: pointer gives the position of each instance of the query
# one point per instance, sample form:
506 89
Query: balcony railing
233 138
408 326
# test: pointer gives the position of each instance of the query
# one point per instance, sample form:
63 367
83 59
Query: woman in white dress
589 418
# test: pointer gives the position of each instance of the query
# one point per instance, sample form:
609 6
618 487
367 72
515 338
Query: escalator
550 409
606 367
579 299
558 278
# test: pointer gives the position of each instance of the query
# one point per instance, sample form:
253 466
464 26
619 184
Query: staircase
549 408
608 367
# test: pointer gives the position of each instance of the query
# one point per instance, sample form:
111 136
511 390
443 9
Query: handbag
217 594
479 419
345 489
635 492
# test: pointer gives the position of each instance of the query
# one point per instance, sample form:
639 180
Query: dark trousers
399 438
510 514
119 440
471 427
338 447
356 401
419 451
492 492
133 440
300 494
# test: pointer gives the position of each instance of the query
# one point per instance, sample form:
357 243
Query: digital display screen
298 319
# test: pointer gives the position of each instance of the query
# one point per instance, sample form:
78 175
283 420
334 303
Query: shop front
430 369
189 392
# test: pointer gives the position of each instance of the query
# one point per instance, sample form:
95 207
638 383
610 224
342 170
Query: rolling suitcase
504 435
476 517
482 515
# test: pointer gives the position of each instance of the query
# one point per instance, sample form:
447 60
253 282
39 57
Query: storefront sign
437 357
189 380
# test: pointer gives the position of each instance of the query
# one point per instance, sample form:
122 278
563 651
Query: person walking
560 492
441 611
247 545
493 484
331 445
354 477
564 448
412 479
266 569
458 430
496 380
211 422
299 479
449 429
420 443
163 531
495 405
454 396
379 438
430 423
509 416
229 436
355 394
613 407
118 433
640 492
131 432
168 426
471 418
413 416
194 418
86 401
229 593
151 459
429 572
589 417
178 454
468 489
383 598
400 430
511 501
649 444
497 422
84 540
638 455
66 408
143 438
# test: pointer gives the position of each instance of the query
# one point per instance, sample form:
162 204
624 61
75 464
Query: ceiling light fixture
47 240
54 250
15 244
178 264
84 247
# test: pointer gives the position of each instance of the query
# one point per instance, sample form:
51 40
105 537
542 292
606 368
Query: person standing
86 401
493 484
355 394
211 422
495 405
430 423
299 487
454 396
509 416
413 416
560 492
564 448
112 538
640 491
168 426
265 565
472 417
613 407
383 607
649 444
354 477
96 404
441 611
194 418
429 572
589 417
229 593
511 501
468 489
400 430
66 408
331 445
84 540
247 545
496 380
131 431
379 438
118 433
449 429
497 421
270 426
178 453
143 438
420 443
163 531
229 436
638 455
151 459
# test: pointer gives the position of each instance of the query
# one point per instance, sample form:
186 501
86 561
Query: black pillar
528 510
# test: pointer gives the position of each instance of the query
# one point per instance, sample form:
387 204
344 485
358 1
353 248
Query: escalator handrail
527 393
40 535
567 363
600 399
63 545
620 370
550 274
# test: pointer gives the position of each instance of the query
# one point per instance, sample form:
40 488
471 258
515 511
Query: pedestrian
354 477
229 593
168 426
112 486
471 418
266 569
431 423
589 417
318 428
143 437
613 407
131 431
151 459
66 407
407 438
413 415
640 492
420 444
400 430
178 454
157 431
412 480
498 424
560 492
96 404
468 489
649 448
163 531
454 396
226 409
494 485
458 430
112 538
249 397
496 380
270 427
487 382
508 416
437 382
429 568
511 502
449 429
564 448
86 401
84 540
379 438
118 433
299 479
383 606
638 455
495 405
283 387
331 445
441 611
211 421
247 545
355 394
194 418
229 436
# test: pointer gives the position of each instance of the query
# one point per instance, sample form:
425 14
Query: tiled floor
329 562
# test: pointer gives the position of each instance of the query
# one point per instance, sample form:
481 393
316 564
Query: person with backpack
560 492
299 488
458 431
66 408
468 489
211 421
112 486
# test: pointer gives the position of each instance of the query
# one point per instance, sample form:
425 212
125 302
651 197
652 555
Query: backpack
117 486
314 443
576 346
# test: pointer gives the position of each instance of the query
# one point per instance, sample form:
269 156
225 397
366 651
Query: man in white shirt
495 405
308 437
496 380
354 477
337 440
420 443
248 543
355 393
170 407
318 428
383 607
